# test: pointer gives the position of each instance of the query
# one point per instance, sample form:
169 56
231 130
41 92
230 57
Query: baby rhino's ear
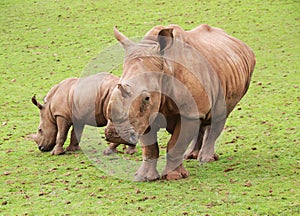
35 102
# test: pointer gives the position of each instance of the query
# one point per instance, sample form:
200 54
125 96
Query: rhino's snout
44 149
128 138
44 145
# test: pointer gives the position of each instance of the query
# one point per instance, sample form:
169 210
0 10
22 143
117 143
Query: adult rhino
186 81
74 102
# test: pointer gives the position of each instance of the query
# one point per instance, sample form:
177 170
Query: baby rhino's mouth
128 137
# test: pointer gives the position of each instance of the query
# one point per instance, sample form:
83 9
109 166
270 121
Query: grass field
44 42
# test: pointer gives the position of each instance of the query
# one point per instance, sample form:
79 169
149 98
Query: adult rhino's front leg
184 132
150 151
63 126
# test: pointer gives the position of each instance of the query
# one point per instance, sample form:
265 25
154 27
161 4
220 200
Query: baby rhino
74 102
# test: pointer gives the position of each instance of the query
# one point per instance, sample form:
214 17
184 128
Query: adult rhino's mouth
128 136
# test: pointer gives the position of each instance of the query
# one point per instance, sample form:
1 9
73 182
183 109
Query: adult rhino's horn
122 38
35 102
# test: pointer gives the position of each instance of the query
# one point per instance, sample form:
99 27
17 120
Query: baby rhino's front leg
63 127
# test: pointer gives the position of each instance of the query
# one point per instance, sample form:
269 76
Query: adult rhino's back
230 58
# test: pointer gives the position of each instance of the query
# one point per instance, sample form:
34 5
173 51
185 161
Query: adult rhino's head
47 130
136 100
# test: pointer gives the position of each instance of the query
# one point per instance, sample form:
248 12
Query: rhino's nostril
133 138
41 148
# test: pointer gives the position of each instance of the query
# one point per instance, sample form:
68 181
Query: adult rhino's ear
122 38
165 39
35 102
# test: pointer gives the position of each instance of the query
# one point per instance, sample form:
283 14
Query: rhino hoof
141 178
110 151
58 151
205 159
147 171
73 148
191 155
179 173
174 175
130 150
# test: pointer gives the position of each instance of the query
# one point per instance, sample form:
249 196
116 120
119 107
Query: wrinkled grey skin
192 79
74 102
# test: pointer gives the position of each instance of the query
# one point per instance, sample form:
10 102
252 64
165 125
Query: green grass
44 42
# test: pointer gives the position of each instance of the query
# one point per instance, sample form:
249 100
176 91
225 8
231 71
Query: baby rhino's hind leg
75 138
112 148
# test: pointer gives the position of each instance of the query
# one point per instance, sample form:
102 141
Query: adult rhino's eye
146 99
145 103
40 130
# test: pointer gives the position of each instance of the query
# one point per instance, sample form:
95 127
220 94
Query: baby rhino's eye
40 130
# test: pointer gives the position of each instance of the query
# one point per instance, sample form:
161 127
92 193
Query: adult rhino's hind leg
196 145
75 137
213 131
207 152
182 135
